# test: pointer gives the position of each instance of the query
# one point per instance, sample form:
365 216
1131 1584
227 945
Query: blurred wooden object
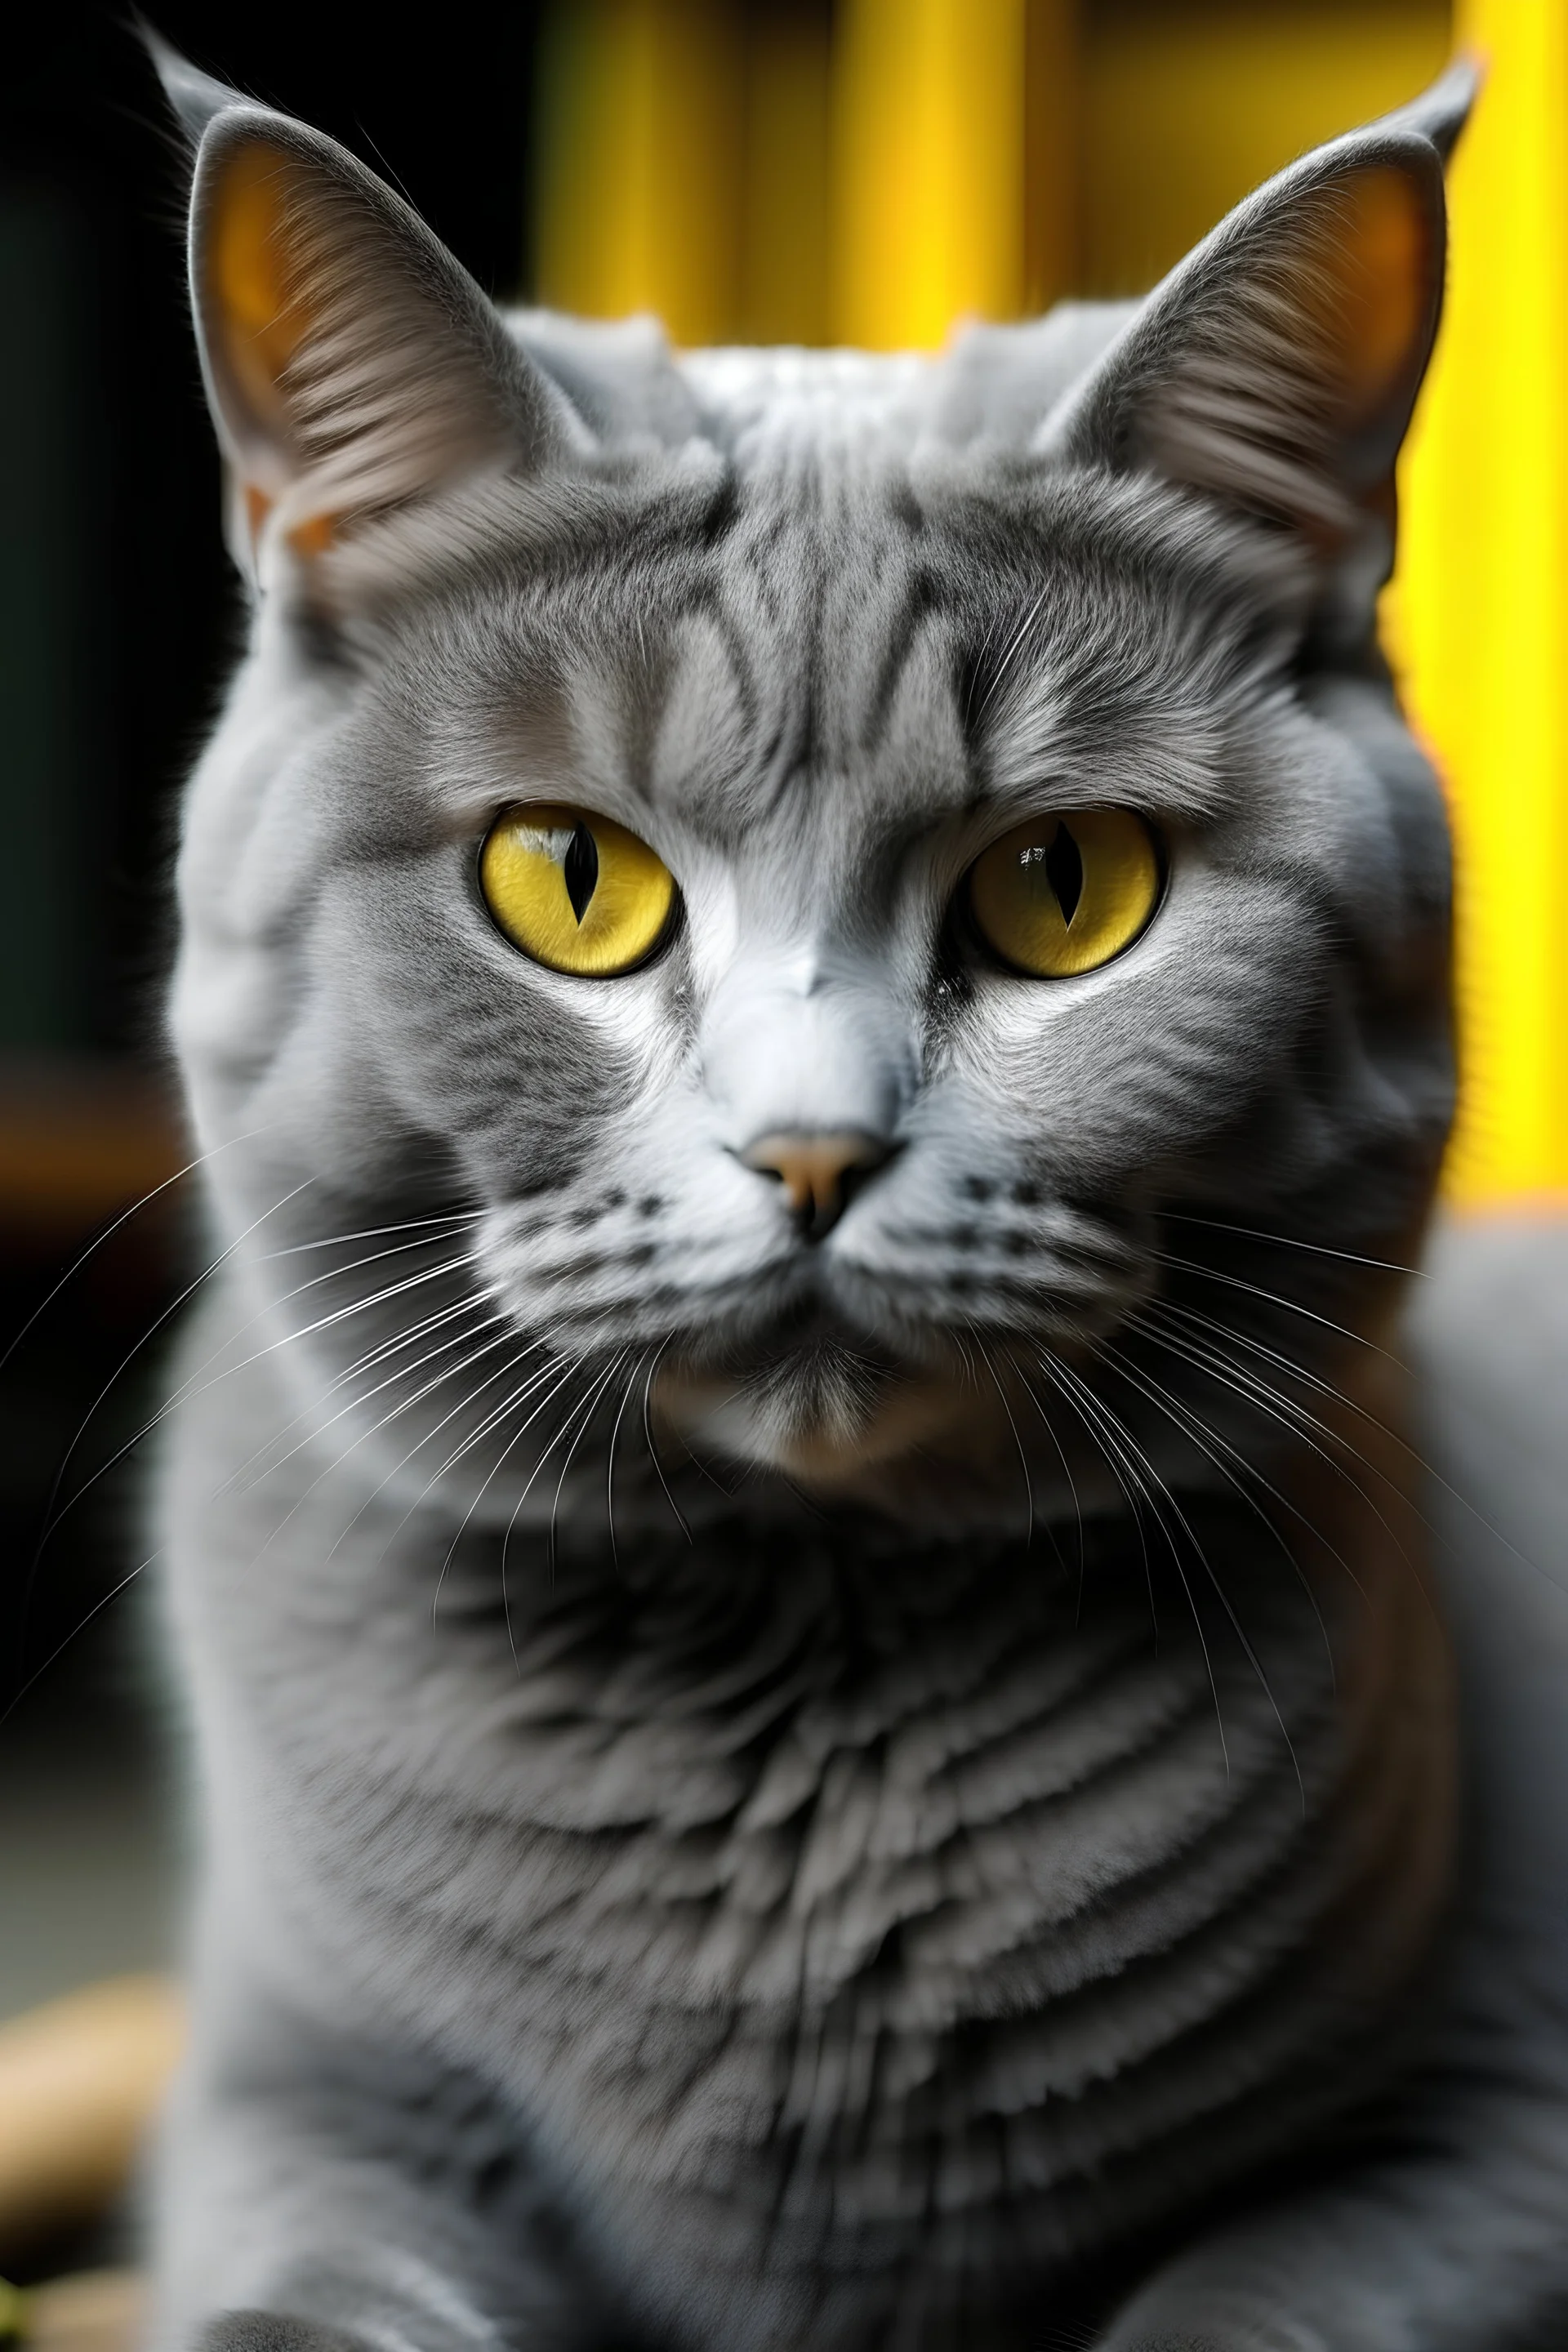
80 2082
81 1138
95 2311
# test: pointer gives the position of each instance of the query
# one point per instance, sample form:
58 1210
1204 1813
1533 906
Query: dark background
118 617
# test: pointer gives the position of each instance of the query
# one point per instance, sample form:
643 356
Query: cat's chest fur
830 1909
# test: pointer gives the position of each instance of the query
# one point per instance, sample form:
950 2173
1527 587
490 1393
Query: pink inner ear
350 378
1367 294
256 315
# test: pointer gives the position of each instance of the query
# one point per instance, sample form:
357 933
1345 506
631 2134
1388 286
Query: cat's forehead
850 615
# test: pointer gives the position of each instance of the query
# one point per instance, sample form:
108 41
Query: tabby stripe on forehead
921 598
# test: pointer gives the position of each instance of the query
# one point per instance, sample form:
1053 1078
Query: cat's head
855 884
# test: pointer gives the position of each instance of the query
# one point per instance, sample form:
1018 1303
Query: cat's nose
818 1172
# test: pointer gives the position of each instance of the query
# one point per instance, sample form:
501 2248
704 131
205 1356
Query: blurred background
813 171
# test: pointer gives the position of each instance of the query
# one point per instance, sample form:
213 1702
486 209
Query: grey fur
890 1791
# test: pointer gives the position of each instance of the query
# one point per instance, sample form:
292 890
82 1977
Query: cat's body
865 1781
860 1929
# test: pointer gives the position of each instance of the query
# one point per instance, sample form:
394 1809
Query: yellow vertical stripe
638 191
1480 613
1053 153
785 289
929 133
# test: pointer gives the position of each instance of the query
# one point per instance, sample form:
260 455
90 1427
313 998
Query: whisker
588 1408
1023 1458
448 1372
1194 1422
1304 1421
357 1402
1320 1386
382 1297
1250 1390
493 1421
445 1218
610 1463
652 1448
370 1360
187 1392
1290 1240
173 1309
546 1451
1148 1469
80 1627
1290 1415
1160 1398
1272 1298
52 1515
512 1523
339 1273
1049 1427
1308 1379
188 1388
1108 1455
109 1230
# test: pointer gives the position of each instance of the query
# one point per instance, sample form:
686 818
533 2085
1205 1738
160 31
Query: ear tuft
1441 112
195 96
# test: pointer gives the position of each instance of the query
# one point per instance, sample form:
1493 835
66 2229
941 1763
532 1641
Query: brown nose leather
815 1171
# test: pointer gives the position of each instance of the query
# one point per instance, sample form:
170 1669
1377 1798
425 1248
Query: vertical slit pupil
1063 872
580 870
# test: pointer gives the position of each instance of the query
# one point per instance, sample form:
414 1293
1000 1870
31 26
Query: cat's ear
352 366
1276 367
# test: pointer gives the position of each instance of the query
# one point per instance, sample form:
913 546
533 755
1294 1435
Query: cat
814 992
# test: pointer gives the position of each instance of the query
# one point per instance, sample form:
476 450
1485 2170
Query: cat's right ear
1274 370
352 366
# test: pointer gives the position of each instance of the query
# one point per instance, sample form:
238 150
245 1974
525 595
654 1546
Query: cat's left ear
1276 367
352 366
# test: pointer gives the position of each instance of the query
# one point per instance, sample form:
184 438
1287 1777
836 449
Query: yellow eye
573 890
1065 893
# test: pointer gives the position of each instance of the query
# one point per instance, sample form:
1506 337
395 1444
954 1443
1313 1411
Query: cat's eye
1066 892
573 890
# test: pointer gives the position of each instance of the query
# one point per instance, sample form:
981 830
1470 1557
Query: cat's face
837 1180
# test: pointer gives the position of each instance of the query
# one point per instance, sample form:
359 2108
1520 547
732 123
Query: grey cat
815 989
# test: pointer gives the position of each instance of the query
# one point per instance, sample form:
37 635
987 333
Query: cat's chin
826 1418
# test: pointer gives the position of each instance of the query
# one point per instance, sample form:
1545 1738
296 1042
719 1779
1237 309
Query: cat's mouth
814 1401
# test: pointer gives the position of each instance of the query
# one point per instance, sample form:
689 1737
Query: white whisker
359 1401
1288 1241
1160 1397
98 1239
610 1461
1141 1468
